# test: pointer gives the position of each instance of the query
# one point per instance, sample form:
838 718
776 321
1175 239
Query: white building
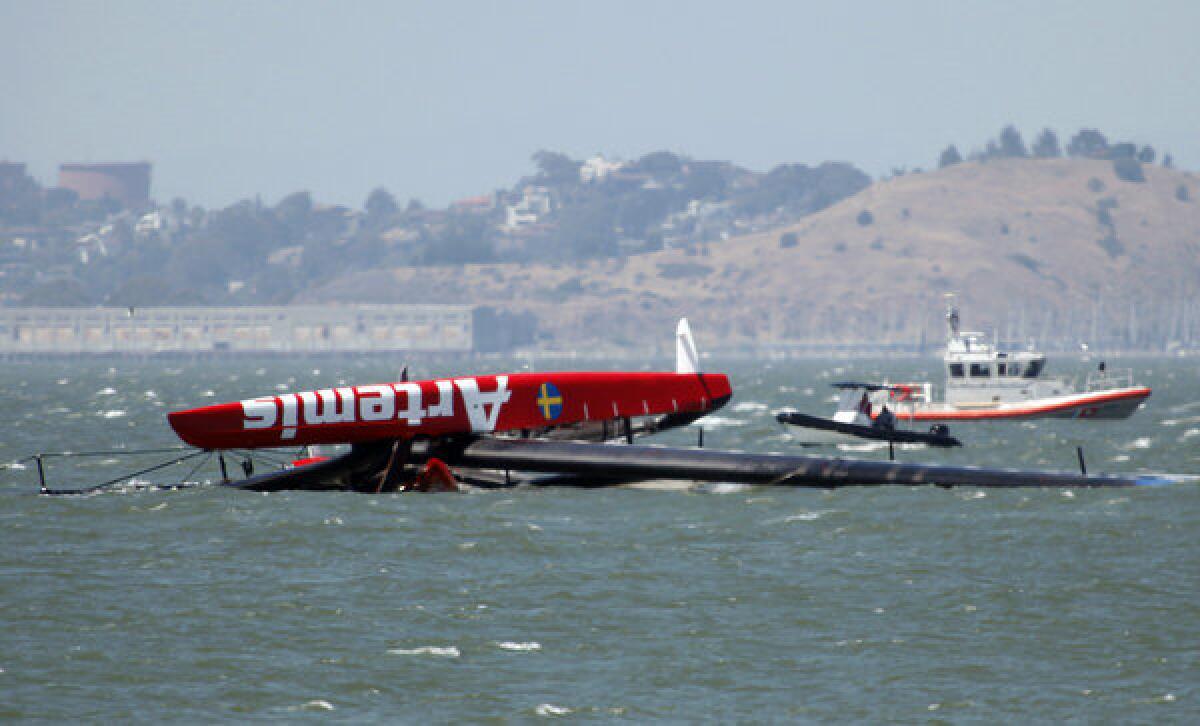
596 168
535 203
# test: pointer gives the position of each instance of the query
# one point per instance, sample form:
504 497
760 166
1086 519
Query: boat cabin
977 372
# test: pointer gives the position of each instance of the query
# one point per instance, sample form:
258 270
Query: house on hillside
534 204
597 168
482 204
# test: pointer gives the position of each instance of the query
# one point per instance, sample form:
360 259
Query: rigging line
188 477
256 454
165 450
124 477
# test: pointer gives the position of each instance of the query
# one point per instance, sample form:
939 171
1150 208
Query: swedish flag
549 401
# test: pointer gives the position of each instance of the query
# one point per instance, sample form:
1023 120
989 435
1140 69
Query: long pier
275 329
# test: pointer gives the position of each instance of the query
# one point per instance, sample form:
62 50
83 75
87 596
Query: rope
112 452
188 477
125 477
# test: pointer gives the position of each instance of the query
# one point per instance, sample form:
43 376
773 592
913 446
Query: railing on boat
1107 380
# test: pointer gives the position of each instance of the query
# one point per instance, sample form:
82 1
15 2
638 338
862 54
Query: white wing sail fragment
686 358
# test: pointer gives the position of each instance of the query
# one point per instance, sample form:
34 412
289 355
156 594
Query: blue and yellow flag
549 401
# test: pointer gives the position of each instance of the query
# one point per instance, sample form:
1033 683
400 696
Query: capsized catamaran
548 429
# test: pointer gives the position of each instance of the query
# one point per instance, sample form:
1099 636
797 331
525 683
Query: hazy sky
441 100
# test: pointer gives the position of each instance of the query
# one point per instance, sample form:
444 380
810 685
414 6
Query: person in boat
864 405
886 420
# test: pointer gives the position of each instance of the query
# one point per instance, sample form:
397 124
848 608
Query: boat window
1000 371
1014 369
956 370
1034 369
981 370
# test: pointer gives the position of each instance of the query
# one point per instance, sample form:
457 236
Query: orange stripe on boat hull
1075 407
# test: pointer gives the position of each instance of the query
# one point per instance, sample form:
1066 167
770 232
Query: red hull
445 407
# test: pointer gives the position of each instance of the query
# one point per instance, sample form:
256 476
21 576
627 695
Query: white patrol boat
985 383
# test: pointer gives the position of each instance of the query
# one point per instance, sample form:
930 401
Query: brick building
125 182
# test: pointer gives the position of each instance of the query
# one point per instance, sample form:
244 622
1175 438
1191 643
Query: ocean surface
714 604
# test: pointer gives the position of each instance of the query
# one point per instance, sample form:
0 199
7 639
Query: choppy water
719 604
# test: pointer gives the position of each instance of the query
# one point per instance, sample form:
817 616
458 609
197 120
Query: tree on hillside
295 211
707 179
1122 150
658 164
1168 162
464 240
1046 146
20 200
380 205
1146 155
1088 143
555 168
586 230
949 157
1128 169
244 233
58 293
1011 143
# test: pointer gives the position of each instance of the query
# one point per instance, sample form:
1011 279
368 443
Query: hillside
1047 247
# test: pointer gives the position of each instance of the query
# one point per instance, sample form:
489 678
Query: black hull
898 436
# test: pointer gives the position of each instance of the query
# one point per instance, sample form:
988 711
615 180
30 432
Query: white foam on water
63 381
209 394
106 391
523 647
549 709
712 422
1120 458
150 394
866 446
316 704
1142 442
114 413
727 487
806 516
1189 434
447 651
748 406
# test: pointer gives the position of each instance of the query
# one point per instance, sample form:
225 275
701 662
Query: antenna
952 320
